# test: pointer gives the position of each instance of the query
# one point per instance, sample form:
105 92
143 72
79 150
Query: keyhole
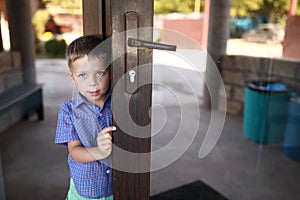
132 74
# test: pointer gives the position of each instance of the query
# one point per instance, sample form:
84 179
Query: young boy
84 124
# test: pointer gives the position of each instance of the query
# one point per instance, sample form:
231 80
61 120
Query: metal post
218 34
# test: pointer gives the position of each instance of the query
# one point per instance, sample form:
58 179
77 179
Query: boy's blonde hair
88 45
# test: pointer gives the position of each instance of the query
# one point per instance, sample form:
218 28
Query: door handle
131 45
132 42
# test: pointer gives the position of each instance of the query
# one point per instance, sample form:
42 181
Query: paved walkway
35 168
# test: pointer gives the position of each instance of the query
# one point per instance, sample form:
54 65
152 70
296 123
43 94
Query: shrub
55 48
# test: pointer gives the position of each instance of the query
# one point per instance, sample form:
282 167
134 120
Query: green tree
273 9
66 4
245 8
167 6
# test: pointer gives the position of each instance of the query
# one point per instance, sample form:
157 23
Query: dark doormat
195 191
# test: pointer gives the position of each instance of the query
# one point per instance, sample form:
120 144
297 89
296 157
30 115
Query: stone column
21 35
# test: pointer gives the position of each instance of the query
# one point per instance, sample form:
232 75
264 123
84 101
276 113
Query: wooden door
126 14
112 18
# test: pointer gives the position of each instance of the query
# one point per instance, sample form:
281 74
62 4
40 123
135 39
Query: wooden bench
26 98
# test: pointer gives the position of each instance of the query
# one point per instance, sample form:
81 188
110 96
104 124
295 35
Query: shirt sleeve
65 130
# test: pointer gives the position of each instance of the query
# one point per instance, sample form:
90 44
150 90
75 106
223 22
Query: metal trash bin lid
267 86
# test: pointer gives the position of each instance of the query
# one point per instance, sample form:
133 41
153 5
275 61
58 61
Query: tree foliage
39 20
245 8
270 8
66 4
274 9
167 6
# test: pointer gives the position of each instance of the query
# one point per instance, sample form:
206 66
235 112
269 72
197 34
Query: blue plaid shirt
81 120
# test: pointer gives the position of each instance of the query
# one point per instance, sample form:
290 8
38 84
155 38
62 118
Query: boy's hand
104 141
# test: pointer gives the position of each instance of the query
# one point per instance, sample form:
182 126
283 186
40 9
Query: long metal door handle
131 56
132 42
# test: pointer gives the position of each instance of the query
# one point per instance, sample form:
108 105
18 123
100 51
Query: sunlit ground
241 47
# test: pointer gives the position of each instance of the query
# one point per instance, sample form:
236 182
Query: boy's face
91 78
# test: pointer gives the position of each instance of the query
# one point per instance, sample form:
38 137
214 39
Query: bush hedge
55 48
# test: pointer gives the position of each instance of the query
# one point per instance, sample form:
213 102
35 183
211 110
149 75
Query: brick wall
236 70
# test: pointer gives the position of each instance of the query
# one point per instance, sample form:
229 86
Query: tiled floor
35 168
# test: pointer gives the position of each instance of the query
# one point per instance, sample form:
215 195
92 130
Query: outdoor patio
35 168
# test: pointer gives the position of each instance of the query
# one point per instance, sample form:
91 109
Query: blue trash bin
292 134
265 111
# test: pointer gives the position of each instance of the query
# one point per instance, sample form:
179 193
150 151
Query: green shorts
73 194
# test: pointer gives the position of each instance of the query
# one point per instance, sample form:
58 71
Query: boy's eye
100 73
84 76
